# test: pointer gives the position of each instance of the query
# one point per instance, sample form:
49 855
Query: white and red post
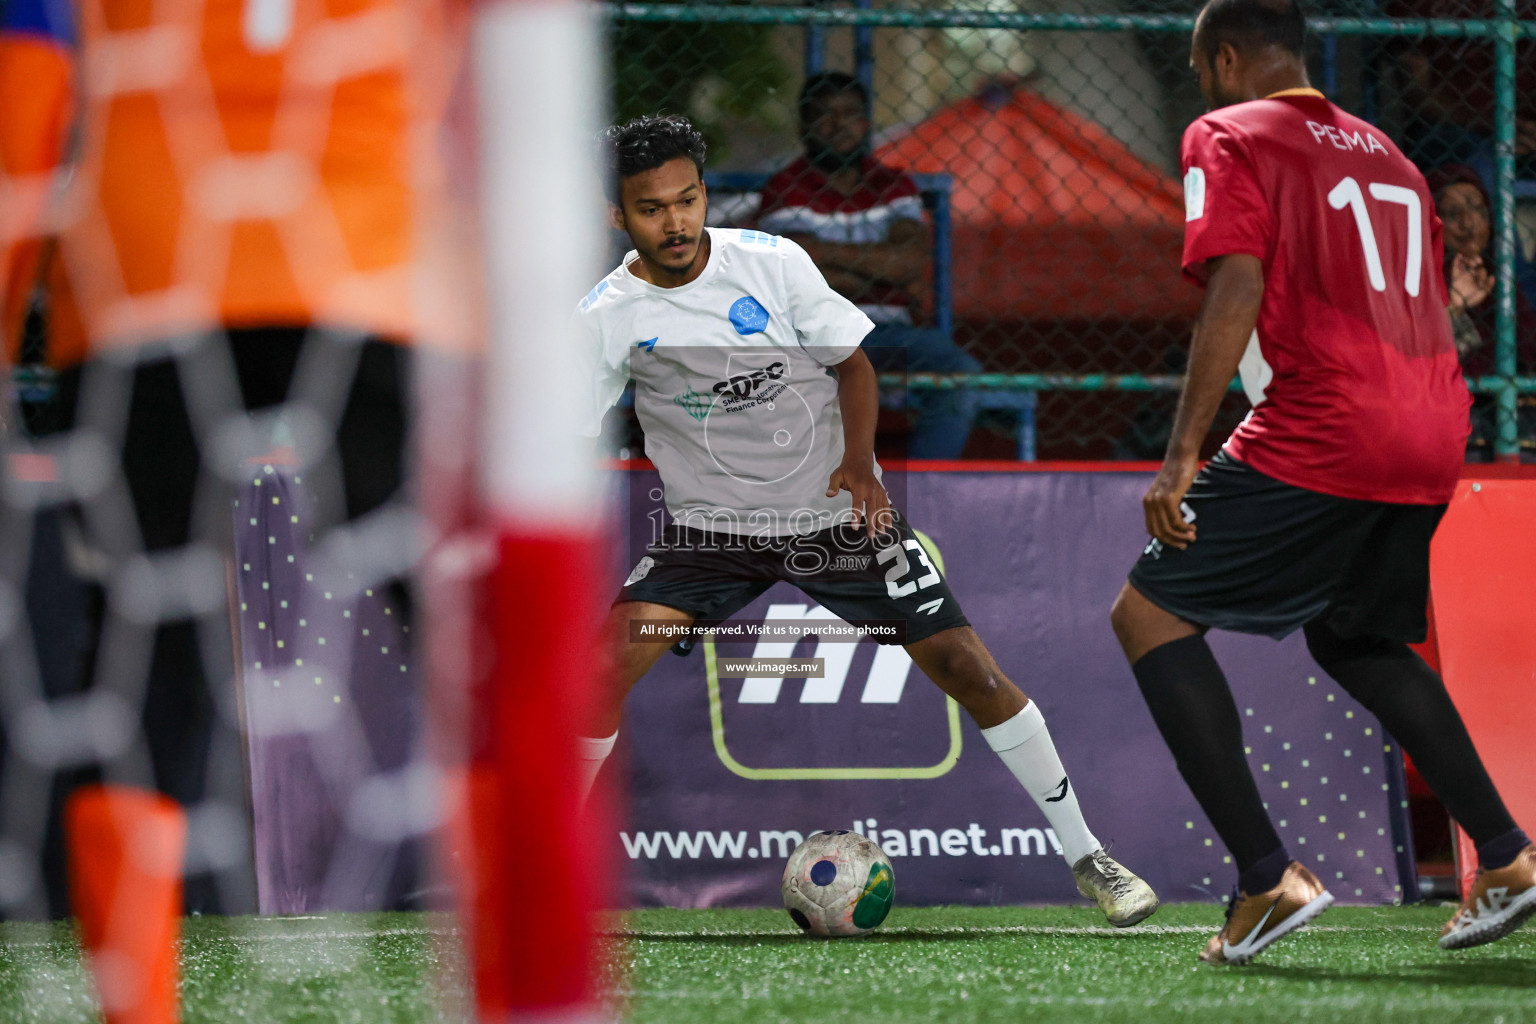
539 82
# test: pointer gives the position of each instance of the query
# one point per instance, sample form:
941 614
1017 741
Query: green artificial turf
363 968
944 964
1062 964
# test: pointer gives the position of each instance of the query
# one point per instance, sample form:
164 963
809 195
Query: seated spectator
864 225
1463 206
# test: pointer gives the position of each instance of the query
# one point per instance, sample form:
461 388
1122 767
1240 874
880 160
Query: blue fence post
1507 439
943 286
1331 66
815 45
864 58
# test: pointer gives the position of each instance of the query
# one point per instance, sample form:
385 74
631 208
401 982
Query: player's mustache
677 240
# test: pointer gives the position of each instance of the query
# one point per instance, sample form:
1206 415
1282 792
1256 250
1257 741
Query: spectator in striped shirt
864 226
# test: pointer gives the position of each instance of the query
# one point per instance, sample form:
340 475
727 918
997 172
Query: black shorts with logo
713 575
1269 557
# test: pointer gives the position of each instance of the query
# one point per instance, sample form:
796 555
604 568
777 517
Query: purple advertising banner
724 775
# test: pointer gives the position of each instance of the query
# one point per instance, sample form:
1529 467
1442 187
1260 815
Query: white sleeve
605 376
828 326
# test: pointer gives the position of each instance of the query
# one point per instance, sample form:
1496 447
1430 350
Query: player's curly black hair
646 143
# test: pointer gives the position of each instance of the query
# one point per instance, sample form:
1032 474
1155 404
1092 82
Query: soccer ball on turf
838 883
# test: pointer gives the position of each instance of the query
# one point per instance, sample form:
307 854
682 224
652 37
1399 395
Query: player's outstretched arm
1234 290
858 396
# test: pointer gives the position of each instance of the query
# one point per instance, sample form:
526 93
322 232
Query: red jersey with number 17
1353 372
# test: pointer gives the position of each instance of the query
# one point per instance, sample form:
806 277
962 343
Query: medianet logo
884 684
974 840
857 687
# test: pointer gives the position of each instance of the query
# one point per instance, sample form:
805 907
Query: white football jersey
732 384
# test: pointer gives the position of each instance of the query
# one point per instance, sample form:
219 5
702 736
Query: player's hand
1165 519
871 505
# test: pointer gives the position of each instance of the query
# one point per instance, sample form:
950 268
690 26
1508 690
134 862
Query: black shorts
713 575
1269 557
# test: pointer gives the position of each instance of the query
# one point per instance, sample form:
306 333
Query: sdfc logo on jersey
775 437
695 403
744 384
748 316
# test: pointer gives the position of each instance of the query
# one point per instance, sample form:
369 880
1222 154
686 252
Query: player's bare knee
1142 626
975 684
1122 617
949 663
965 670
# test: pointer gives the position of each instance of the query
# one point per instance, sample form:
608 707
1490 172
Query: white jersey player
732 381
759 411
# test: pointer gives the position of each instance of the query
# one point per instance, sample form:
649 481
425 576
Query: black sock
1193 708
1501 852
1265 873
1410 700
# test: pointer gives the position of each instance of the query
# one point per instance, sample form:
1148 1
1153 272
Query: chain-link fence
1043 141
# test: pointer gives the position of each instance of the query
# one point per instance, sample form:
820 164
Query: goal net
295 566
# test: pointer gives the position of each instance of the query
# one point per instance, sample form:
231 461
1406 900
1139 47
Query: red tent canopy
1054 218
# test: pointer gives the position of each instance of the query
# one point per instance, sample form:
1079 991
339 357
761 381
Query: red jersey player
1320 252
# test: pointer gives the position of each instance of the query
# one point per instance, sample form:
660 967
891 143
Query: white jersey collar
655 289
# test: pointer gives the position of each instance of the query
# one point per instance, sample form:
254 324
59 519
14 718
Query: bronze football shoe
1124 898
1501 900
1253 922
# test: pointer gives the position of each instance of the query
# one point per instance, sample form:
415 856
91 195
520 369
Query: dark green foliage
717 75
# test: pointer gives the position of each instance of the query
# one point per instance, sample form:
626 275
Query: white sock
1024 744
590 755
